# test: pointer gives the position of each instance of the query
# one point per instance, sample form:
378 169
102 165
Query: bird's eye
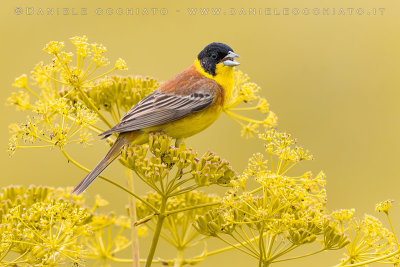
214 56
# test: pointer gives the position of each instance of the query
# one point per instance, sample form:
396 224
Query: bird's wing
161 107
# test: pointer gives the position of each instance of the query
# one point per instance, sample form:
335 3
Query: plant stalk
88 102
179 259
132 212
157 232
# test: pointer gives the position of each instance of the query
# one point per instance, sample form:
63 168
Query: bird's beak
229 59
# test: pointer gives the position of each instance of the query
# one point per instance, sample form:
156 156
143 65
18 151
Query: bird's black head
215 53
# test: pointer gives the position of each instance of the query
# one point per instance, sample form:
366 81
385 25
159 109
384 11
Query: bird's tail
114 152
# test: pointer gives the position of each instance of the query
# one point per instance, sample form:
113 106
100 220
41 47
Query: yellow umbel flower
246 92
45 226
384 206
283 213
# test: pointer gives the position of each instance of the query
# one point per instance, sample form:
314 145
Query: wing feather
162 107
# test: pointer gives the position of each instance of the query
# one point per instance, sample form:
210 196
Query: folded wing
161 107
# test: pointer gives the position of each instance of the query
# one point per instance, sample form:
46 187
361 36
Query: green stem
157 232
179 258
284 251
91 127
102 75
291 166
370 261
93 107
128 191
237 246
44 146
83 77
391 227
343 263
54 79
222 250
32 92
242 117
130 260
120 260
5 253
132 210
249 108
270 245
244 243
191 208
63 63
185 190
261 247
150 183
302 256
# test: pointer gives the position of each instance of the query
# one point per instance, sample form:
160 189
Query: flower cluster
285 212
42 226
284 147
384 206
245 92
61 110
55 123
170 168
174 174
281 214
369 239
118 94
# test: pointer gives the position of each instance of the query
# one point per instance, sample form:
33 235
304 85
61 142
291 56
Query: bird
181 107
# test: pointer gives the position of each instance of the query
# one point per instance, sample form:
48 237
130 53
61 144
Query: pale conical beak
229 59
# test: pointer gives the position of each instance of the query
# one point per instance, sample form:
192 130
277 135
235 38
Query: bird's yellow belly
189 125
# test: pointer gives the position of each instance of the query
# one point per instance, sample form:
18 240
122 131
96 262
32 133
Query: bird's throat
224 76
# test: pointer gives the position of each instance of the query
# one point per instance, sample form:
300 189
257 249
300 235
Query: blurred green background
333 81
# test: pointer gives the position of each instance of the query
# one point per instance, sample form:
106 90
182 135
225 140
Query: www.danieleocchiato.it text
50 11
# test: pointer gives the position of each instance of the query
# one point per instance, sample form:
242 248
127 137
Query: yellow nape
225 76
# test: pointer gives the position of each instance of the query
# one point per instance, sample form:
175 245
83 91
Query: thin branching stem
132 211
89 102
157 232
191 208
363 263
302 256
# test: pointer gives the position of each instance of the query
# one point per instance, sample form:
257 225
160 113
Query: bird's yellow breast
190 125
